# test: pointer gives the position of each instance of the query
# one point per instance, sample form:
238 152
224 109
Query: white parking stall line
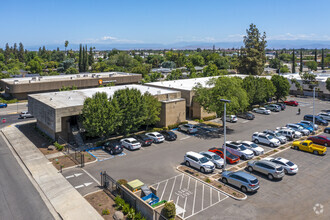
163 191
188 183
203 197
184 207
210 196
157 186
181 181
219 196
185 138
169 198
166 180
193 209
245 121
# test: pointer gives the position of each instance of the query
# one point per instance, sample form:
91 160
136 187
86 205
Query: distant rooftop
24 80
189 84
322 77
76 97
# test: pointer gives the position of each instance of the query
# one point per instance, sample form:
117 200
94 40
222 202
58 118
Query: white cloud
290 36
108 40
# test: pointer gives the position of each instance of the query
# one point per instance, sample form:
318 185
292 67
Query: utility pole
224 131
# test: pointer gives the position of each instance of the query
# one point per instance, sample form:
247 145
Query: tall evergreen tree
83 59
322 60
301 61
315 57
15 51
80 61
21 52
7 53
90 57
293 62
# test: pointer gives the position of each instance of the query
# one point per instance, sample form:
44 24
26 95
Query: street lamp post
224 131
313 107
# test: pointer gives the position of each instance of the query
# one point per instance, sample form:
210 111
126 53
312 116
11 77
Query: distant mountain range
276 44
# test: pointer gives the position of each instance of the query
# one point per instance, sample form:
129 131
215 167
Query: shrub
169 210
220 186
207 180
131 213
170 127
201 120
138 216
208 118
119 203
122 182
234 193
126 208
196 120
156 129
275 150
105 212
58 146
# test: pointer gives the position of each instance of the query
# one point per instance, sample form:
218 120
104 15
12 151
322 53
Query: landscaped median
213 181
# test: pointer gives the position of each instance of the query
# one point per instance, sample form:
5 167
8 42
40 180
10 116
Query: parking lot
294 197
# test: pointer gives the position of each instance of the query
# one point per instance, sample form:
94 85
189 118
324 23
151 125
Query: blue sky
42 22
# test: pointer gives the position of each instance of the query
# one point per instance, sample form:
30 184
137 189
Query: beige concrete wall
197 111
172 112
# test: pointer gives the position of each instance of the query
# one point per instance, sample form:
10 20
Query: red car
291 102
320 139
231 158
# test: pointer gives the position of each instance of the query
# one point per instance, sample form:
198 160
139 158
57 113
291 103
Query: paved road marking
210 196
194 197
203 197
163 191
184 207
74 175
171 190
185 138
91 177
83 185
245 121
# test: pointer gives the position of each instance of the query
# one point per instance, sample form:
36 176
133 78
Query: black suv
318 120
169 135
144 139
246 115
113 147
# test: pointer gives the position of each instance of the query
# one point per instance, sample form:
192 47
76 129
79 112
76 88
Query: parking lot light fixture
225 101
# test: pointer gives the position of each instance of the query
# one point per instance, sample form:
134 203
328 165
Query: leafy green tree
315 55
285 57
293 62
192 71
80 61
322 59
71 70
259 90
21 53
121 59
153 107
269 88
284 69
274 63
155 60
312 65
282 86
309 79
223 88
2 57
297 84
328 84
66 44
169 64
174 75
211 70
196 60
143 69
152 77
99 67
4 75
252 58
35 65
66 64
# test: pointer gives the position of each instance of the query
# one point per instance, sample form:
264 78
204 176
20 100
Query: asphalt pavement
18 197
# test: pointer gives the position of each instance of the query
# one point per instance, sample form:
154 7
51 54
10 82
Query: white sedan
156 136
288 166
130 143
261 110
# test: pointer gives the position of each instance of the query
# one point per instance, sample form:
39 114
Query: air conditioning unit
86 75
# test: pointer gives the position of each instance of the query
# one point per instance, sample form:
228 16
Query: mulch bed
66 161
101 201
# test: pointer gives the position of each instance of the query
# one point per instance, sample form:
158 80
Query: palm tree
66 43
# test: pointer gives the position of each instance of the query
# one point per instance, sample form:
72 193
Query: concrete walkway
65 199
58 154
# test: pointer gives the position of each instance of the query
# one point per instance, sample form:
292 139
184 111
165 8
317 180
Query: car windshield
159 135
279 168
254 145
204 160
290 163
270 137
254 181
243 147
278 134
228 154
216 157
134 142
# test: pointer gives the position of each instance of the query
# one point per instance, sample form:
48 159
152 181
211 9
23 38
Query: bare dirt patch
101 201
67 161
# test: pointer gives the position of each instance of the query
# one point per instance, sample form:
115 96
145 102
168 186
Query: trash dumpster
135 185
151 199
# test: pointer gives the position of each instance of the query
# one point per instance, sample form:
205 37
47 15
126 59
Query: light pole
224 131
313 107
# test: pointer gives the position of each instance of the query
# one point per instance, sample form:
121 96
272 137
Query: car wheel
224 180
271 145
250 169
296 148
187 164
256 141
243 157
315 152
326 144
244 189
111 152
285 171
202 170
270 176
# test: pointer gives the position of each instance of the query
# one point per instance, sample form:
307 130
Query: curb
227 194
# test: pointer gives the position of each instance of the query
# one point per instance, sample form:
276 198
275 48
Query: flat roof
40 79
322 77
189 84
77 97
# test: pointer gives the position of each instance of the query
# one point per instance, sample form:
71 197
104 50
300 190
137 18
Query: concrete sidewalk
65 199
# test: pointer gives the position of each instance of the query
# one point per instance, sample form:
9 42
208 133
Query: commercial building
20 88
56 112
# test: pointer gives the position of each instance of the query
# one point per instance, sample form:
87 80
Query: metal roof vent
86 75
70 98
51 99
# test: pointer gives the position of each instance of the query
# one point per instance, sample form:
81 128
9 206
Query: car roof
194 154
245 175
248 142
155 133
322 136
282 159
208 153
269 163
129 139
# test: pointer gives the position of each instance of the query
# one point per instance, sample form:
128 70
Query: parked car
246 115
272 170
310 123
3 105
290 135
231 118
230 158
325 116
113 147
239 150
308 146
318 120
276 135
291 102
261 110
214 158
288 166
156 137
296 134
169 135
246 182
282 105
25 114
273 107
265 139
299 128
320 139
306 126
188 128
326 111
327 130
144 139
198 161
130 143
252 146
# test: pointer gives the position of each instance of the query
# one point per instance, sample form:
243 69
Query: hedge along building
20 88
186 86
56 112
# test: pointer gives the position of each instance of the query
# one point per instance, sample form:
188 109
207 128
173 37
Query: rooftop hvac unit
93 75
34 78
78 76
111 74
86 75
15 81
98 76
